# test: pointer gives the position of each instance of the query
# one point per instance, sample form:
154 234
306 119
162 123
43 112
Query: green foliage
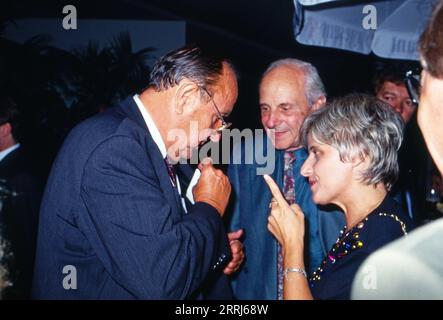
83 82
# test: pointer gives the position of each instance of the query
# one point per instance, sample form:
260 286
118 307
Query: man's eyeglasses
225 125
412 82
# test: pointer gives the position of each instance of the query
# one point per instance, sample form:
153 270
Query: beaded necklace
347 243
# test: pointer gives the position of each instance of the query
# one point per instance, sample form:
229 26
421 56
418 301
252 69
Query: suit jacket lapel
10 162
130 109
169 191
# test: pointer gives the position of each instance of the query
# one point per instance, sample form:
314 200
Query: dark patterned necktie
289 194
171 172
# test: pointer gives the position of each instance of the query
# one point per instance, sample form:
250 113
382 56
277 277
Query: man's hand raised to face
213 187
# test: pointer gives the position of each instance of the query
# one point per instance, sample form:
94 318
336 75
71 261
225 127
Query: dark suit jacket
415 167
112 226
19 219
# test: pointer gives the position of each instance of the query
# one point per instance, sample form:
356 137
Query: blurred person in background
410 188
21 194
411 268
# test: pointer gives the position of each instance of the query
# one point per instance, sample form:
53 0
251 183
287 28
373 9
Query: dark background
252 33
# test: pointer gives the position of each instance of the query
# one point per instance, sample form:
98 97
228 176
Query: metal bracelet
296 270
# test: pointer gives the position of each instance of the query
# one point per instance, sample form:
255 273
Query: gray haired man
289 90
